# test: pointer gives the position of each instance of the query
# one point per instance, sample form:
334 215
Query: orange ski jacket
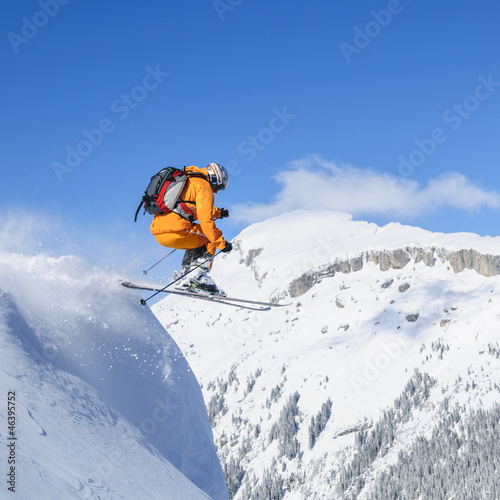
199 197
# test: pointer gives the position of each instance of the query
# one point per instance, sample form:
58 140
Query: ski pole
154 265
212 257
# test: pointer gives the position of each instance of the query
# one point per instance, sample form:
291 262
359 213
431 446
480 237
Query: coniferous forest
459 459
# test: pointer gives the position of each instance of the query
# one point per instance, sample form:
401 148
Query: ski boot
198 281
201 282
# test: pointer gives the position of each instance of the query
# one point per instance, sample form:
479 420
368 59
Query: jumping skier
200 239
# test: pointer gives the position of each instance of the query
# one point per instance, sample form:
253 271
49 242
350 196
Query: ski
220 299
234 299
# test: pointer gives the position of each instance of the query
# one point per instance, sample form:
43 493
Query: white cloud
314 183
110 247
22 231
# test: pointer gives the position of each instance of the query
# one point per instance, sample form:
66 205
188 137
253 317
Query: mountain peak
389 327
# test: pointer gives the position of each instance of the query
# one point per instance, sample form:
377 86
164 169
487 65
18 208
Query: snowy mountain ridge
351 243
105 405
458 260
392 337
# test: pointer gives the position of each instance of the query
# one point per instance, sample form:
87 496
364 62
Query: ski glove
227 248
224 212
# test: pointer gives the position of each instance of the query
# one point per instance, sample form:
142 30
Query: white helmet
217 176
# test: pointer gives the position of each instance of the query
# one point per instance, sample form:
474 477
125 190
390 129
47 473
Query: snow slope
106 405
353 337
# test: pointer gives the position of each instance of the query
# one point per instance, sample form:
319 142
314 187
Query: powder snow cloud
313 183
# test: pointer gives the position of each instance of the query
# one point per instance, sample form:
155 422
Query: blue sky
393 107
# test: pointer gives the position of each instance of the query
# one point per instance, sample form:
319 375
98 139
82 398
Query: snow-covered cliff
103 404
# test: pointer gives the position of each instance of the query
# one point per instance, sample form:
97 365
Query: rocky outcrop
484 264
387 284
301 285
487 265
412 317
389 259
250 258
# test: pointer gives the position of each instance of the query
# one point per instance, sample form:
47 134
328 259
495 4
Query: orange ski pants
186 239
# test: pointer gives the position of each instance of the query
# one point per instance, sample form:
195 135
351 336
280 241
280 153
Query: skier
202 239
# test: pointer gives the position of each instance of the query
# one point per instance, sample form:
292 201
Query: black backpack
162 195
